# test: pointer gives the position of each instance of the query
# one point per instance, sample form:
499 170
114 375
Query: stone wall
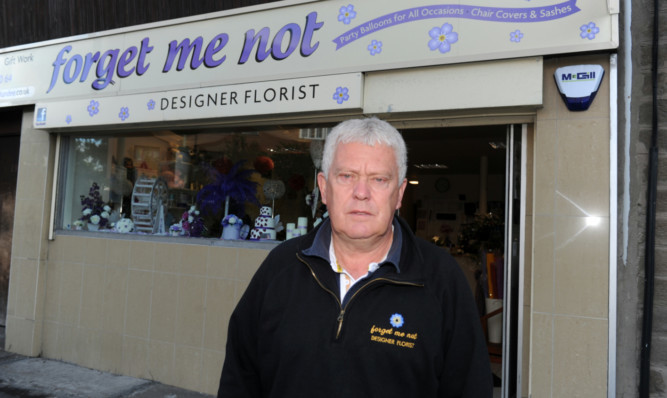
634 149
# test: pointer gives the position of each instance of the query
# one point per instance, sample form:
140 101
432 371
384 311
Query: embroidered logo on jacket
396 320
392 335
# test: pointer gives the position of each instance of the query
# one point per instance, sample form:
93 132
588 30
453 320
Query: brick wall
30 21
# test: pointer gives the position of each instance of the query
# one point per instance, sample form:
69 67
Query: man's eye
345 177
380 182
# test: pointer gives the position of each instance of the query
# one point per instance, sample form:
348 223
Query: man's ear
401 191
322 184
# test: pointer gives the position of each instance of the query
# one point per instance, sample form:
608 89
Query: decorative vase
232 231
93 227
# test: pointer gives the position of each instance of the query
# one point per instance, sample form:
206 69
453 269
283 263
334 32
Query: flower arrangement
124 226
78 225
176 229
486 230
231 219
94 210
192 223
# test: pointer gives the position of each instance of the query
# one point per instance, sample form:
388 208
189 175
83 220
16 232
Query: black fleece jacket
411 331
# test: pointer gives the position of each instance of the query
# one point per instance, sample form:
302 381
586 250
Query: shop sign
340 92
296 40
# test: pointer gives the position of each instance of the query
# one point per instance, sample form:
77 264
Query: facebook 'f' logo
41 116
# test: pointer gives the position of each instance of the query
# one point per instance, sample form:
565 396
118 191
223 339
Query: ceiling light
430 166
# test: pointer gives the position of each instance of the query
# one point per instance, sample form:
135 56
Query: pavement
29 377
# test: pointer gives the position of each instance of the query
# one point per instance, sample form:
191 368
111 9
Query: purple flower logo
151 105
68 119
516 36
93 108
589 31
346 14
341 95
442 38
124 113
375 47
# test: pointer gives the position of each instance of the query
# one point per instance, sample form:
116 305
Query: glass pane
186 183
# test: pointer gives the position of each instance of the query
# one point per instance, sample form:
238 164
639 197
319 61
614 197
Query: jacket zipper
341 314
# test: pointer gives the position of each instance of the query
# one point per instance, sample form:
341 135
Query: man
359 307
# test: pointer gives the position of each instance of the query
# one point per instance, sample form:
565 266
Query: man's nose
361 189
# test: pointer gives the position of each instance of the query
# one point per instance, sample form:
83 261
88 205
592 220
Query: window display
208 183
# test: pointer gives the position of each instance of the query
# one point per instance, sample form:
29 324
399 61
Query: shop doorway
9 161
465 195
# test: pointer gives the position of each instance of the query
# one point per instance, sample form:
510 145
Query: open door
514 261
466 194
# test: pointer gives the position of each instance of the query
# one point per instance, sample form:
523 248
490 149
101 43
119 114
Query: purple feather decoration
235 184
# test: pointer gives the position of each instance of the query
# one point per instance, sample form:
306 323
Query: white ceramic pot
231 232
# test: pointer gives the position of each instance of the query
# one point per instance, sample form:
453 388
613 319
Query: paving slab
62 380
29 377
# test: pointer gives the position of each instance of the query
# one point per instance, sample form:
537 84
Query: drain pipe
649 258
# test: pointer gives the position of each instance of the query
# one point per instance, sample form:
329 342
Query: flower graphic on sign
396 320
68 119
375 47
93 108
341 95
151 105
442 38
346 14
124 113
589 31
516 36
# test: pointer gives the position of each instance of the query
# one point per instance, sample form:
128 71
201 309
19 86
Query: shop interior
456 199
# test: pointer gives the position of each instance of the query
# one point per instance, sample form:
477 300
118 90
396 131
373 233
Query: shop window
259 182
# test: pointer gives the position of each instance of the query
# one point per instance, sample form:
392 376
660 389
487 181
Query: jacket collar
322 240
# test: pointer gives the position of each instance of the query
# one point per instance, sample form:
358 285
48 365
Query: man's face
362 191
